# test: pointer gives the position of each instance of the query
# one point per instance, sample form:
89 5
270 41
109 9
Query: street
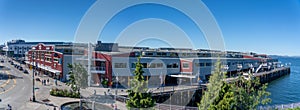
16 89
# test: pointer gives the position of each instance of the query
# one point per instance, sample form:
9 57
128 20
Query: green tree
214 91
78 77
249 93
240 94
139 97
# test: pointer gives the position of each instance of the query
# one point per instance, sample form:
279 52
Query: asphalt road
18 90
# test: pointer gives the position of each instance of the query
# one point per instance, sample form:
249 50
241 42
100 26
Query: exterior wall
108 65
189 69
41 53
128 71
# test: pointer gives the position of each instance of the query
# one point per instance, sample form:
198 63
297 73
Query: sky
263 26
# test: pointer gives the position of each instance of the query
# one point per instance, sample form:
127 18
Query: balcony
98 69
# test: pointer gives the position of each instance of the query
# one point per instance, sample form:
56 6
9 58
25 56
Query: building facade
169 66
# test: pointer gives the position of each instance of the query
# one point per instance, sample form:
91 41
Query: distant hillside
281 56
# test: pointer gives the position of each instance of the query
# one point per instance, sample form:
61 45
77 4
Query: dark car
25 71
21 68
37 79
2 61
12 63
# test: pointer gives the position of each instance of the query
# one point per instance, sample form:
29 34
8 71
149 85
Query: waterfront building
162 66
166 66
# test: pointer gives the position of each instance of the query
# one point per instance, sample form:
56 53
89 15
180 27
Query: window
120 65
208 64
185 65
172 65
132 65
156 65
145 65
152 65
159 65
150 54
200 64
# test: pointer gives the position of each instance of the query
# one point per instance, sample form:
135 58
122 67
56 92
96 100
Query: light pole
116 92
33 72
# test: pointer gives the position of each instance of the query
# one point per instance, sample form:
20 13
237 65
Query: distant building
18 48
2 48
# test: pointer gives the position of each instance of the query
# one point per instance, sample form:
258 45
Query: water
286 89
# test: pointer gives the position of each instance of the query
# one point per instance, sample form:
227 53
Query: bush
64 93
104 83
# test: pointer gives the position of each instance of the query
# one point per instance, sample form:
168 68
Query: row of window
175 65
146 65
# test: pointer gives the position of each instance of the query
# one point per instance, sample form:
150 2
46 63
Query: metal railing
98 68
280 106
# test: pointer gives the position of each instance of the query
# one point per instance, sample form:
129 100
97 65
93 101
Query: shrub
64 93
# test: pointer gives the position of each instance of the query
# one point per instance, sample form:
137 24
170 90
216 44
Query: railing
173 107
98 68
280 107
160 106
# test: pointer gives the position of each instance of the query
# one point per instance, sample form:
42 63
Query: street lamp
33 72
116 92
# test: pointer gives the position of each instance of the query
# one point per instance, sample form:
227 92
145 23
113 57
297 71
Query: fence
280 107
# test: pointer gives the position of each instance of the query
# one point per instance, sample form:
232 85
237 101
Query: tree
249 93
212 96
240 94
78 77
139 97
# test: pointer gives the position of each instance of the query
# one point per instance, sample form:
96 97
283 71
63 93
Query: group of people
45 82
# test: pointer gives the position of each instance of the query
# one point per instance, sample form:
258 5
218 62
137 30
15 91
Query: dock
274 74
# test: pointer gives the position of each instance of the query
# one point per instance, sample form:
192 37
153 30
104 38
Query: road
16 88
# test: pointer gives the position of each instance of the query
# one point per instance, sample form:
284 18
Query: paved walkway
44 100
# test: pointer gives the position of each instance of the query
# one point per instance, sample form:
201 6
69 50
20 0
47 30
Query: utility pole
33 73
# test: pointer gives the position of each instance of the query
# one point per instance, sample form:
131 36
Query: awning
27 62
47 68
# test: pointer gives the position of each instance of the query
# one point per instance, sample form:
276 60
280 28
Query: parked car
21 68
25 71
37 79
2 61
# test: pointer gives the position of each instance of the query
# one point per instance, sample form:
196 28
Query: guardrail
280 106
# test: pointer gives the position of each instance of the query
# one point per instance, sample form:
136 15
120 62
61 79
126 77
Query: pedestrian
55 82
9 107
54 108
48 81
45 82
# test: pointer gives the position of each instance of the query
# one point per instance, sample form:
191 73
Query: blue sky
263 26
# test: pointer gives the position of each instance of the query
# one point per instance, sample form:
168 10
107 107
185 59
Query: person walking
48 81
9 107
55 82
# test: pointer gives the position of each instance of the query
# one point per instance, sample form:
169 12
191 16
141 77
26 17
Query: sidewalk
44 100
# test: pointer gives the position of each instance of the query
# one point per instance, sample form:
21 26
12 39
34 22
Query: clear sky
263 26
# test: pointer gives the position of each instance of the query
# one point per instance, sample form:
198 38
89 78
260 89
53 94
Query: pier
183 97
274 74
